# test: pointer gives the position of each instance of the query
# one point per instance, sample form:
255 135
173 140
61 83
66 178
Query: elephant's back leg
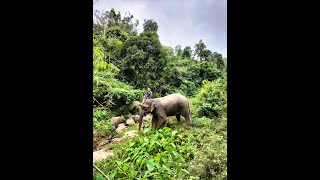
179 119
186 114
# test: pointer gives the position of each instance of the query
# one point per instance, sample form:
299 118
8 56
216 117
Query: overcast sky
180 22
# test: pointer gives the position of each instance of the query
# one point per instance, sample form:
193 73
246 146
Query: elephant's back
176 99
179 97
171 97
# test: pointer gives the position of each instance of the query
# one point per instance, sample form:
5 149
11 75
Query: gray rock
116 120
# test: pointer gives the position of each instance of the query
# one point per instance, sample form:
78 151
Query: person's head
149 89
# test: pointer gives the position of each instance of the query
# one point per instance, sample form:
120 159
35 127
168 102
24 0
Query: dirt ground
104 153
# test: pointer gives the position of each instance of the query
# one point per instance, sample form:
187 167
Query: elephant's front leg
154 121
161 121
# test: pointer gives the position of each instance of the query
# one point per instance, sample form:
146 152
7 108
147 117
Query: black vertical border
47 97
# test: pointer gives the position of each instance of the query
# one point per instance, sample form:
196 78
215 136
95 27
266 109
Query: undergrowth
171 153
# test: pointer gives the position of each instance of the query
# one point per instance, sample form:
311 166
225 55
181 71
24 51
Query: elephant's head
147 107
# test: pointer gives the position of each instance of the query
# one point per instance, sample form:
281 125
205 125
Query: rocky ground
102 150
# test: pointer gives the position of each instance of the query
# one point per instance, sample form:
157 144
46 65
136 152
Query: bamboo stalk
100 171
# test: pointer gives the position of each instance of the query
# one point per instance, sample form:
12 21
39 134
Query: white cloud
180 22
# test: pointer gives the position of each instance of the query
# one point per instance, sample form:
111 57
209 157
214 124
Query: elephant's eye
144 108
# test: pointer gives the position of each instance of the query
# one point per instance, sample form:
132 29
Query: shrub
209 139
101 123
211 101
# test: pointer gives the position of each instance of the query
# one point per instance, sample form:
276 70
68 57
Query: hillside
125 64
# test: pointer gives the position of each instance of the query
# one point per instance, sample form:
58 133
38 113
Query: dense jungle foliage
125 64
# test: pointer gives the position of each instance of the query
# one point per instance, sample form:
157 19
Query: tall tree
143 60
206 55
104 20
217 58
187 52
169 50
178 50
225 61
150 25
128 25
200 50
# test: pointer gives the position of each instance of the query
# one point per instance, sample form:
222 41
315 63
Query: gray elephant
163 107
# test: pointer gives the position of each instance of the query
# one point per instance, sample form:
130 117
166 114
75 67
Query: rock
122 124
136 118
130 122
116 120
120 127
101 154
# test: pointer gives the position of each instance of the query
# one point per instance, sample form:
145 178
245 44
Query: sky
180 22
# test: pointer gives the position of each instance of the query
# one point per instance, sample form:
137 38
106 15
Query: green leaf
166 168
145 139
135 156
142 162
125 167
185 171
132 172
131 144
146 174
158 166
158 143
149 165
144 144
164 159
146 155
112 175
138 161
118 162
174 132
175 154
157 159
152 142
126 160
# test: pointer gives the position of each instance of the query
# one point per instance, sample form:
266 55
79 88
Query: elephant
163 107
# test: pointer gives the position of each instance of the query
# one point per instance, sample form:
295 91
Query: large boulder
122 124
116 120
130 121
120 127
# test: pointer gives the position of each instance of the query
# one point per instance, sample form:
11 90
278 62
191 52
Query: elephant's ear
153 105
